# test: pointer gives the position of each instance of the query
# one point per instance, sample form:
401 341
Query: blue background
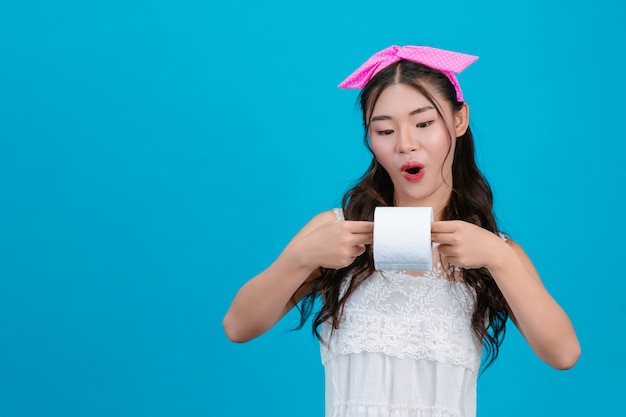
155 155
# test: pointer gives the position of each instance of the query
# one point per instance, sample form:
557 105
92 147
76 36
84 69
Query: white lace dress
404 348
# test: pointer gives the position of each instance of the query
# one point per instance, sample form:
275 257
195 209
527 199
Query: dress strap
339 213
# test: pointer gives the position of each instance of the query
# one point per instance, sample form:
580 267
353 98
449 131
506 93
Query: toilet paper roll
402 238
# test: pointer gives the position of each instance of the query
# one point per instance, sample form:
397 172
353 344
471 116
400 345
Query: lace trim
352 408
398 293
439 339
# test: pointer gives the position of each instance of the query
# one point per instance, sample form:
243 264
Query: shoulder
327 216
512 244
317 221
521 253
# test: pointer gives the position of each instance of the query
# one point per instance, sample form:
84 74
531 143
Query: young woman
401 343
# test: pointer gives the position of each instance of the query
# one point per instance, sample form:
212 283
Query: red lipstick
413 171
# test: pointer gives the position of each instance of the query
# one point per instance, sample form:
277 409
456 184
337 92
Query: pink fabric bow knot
447 62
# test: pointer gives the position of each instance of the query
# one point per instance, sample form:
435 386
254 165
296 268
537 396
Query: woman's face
415 145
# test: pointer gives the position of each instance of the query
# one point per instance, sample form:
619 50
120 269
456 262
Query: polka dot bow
447 62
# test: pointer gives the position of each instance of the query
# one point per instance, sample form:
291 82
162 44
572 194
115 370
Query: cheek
447 155
382 149
441 147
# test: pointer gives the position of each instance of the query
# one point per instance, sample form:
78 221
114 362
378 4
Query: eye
385 132
424 124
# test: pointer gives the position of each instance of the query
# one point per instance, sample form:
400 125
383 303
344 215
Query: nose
407 141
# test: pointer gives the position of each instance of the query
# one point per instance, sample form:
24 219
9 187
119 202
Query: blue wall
154 155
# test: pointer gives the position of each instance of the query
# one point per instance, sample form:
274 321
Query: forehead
402 98
396 95
400 91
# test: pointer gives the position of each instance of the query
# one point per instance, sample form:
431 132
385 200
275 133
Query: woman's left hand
541 320
466 245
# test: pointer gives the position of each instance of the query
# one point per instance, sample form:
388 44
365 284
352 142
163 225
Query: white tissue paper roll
402 238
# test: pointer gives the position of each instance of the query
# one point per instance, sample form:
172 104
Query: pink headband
447 62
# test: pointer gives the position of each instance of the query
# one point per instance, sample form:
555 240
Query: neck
438 201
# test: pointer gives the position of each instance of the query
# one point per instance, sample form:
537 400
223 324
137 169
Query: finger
354 252
446 250
447 226
363 238
355 226
361 250
452 260
443 238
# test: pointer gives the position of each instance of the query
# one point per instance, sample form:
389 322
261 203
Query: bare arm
540 319
543 323
266 298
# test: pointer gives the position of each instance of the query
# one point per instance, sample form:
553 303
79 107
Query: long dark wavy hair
471 200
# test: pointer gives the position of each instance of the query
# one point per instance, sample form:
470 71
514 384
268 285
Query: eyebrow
414 112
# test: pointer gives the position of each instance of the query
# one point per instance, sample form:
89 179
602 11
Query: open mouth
413 171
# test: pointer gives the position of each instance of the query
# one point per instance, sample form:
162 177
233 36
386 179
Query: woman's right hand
323 242
335 244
